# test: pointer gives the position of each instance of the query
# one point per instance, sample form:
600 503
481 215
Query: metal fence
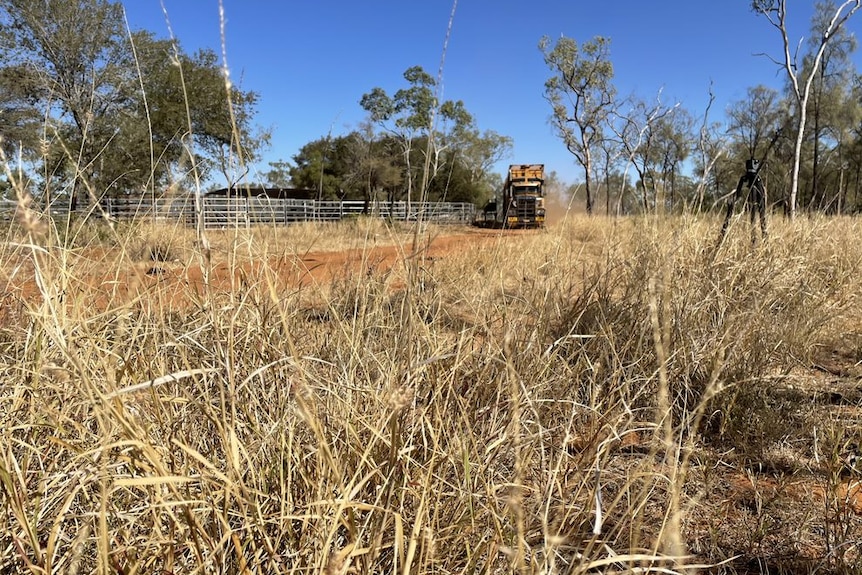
224 212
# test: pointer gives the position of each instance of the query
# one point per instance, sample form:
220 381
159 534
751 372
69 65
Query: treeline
647 155
88 109
411 147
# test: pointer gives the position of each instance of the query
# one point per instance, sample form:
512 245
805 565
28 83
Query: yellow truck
521 202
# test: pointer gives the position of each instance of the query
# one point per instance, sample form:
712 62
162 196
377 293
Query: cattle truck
520 203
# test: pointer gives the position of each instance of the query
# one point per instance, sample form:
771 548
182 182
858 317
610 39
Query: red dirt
174 285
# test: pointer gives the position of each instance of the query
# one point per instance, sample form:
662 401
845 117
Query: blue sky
311 60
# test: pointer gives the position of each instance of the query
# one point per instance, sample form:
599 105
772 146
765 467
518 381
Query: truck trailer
521 202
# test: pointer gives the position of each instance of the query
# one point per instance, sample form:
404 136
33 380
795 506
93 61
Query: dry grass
611 395
593 397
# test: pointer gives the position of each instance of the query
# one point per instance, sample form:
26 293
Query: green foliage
326 165
440 143
117 111
278 175
19 121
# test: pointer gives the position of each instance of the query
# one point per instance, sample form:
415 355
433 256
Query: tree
442 137
609 152
322 165
118 112
412 115
709 149
638 131
375 164
754 120
221 116
828 92
801 77
278 176
581 95
181 113
19 121
847 116
406 115
479 152
75 50
673 137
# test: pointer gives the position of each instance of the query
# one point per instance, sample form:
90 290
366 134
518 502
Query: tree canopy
436 139
101 111
809 133
386 158
89 109
581 93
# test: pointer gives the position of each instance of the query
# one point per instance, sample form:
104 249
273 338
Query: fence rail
223 212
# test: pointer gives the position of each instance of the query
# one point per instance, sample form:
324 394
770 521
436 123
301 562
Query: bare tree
755 119
638 130
710 148
801 78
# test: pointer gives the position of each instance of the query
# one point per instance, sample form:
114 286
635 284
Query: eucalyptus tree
19 121
120 112
582 97
609 151
278 175
75 51
673 145
753 121
221 116
802 77
181 117
638 130
406 115
846 127
375 165
479 151
438 132
854 159
711 146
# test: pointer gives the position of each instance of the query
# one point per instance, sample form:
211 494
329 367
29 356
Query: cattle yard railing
224 212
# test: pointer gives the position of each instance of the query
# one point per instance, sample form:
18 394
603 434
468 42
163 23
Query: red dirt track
175 284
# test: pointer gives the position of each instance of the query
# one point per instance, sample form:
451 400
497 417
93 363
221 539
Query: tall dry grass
554 402
583 399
